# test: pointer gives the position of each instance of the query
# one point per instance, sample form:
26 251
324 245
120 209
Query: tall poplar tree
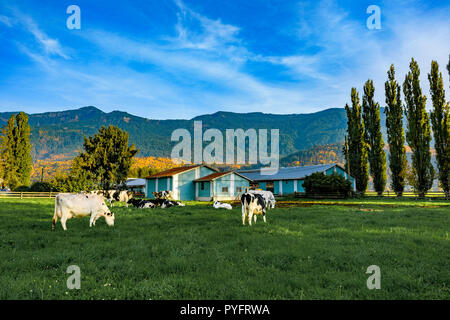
356 149
418 134
395 132
23 149
374 138
440 121
7 154
15 151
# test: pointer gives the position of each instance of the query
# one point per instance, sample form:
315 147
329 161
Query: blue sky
166 59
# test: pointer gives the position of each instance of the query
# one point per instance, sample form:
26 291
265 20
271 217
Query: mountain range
59 135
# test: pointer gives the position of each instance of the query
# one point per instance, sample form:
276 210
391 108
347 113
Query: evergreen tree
440 121
23 149
356 151
396 137
418 134
107 156
374 138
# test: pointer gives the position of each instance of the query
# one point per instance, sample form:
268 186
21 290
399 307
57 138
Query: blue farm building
289 180
198 182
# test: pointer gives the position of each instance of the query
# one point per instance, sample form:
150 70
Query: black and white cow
166 194
268 197
154 203
252 205
141 203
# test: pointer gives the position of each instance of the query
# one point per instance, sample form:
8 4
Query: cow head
109 218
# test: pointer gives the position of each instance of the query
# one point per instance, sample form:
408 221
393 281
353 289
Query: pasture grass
310 251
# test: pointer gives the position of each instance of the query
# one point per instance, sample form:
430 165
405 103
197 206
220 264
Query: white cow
252 205
268 197
69 205
219 205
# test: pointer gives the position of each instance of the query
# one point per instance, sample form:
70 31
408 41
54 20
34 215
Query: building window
202 186
225 189
269 186
287 182
238 189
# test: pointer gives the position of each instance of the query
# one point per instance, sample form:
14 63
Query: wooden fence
410 194
28 195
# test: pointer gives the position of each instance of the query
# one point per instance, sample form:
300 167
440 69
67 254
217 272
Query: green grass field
311 251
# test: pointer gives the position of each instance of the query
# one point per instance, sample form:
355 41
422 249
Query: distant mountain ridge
59 135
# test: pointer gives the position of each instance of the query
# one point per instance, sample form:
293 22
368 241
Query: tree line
103 163
364 146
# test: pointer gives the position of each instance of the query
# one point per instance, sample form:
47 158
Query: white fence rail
27 195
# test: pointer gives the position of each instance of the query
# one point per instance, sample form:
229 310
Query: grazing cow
69 205
168 195
252 205
219 205
268 197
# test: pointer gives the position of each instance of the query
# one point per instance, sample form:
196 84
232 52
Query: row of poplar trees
364 145
15 152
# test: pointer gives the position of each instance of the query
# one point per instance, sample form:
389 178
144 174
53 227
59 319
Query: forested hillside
59 135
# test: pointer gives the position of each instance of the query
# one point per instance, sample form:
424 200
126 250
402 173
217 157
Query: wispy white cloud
208 66
212 34
49 45
6 20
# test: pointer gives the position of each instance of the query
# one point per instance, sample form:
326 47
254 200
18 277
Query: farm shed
221 186
289 180
136 185
179 180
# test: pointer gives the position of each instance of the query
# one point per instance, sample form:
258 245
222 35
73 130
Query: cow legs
250 216
55 219
64 214
244 214
254 218
264 215
93 218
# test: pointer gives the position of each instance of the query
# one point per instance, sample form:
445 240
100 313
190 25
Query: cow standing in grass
69 205
252 205
268 197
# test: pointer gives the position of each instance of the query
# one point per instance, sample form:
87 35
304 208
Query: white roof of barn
286 173
135 182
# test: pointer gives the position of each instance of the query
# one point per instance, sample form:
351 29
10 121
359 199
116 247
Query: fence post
50 194
21 195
